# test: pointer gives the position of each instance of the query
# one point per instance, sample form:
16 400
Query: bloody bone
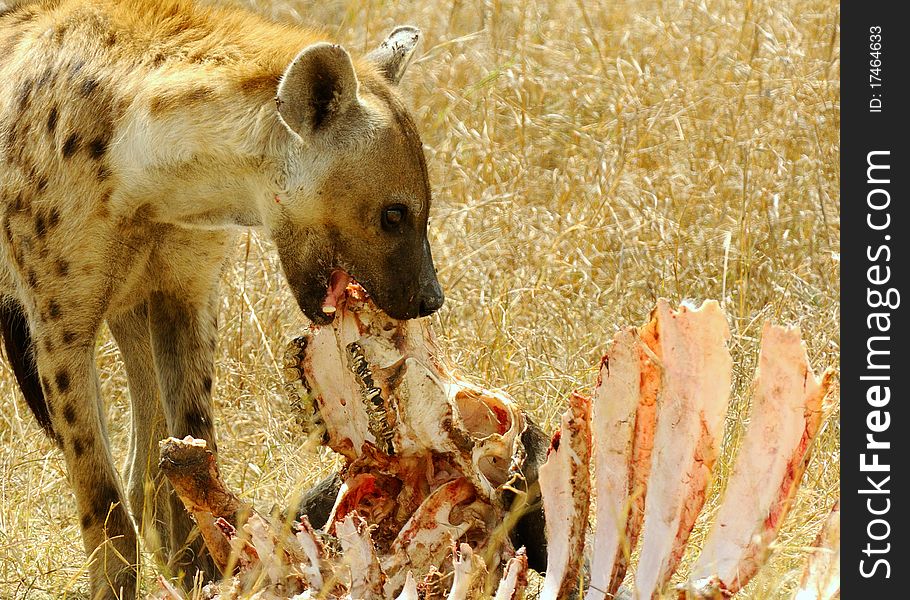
375 385
565 486
515 578
623 428
191 469
261 552
786 415
427 537
431 460
695 386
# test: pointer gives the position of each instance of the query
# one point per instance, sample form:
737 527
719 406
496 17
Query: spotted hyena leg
183 342
148 490
69 379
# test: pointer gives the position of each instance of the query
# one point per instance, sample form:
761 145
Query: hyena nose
431 301
431 296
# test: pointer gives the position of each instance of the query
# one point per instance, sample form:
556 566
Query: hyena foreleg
183 335
70 383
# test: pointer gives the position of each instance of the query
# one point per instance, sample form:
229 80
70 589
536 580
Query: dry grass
586 159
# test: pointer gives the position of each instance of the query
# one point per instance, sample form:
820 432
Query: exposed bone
409 592
426 425
263 554
191 469
786 414
336 392
695 389
366 576
495 423
430 457
351 497
514 579
411 431
619 398
315 567
428 536
469 576
377 381
821 579
645 428
566 486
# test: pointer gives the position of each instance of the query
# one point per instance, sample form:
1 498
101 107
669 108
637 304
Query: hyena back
136 136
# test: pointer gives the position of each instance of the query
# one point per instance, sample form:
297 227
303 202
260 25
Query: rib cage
658 409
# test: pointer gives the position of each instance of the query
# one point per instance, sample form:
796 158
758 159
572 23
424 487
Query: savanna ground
587 158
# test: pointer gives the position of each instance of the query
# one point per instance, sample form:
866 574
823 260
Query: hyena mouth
337 284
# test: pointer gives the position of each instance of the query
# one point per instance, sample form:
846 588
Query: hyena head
357 196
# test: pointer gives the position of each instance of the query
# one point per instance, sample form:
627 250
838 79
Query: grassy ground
587 158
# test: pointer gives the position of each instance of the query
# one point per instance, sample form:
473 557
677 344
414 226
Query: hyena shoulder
102 97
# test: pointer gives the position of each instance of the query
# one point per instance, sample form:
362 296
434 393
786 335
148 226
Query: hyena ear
394 54
318 87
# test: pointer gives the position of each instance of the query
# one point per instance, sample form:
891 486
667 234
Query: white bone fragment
514 579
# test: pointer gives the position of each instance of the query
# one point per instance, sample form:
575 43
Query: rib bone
786 414
695 388
821 579
565 486
623 429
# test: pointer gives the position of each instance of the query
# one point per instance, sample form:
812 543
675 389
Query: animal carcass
436 470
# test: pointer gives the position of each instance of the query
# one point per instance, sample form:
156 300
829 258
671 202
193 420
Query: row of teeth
298 390
375 404
293 360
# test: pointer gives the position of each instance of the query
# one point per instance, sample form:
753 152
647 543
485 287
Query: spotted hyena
136 137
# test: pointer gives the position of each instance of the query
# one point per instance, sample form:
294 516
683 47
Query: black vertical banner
875 242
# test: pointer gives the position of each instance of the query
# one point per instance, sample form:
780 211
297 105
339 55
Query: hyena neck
214 164
202 140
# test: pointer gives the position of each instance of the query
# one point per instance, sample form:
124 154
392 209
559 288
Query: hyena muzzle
136 138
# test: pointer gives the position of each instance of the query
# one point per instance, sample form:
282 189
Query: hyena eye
393 216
